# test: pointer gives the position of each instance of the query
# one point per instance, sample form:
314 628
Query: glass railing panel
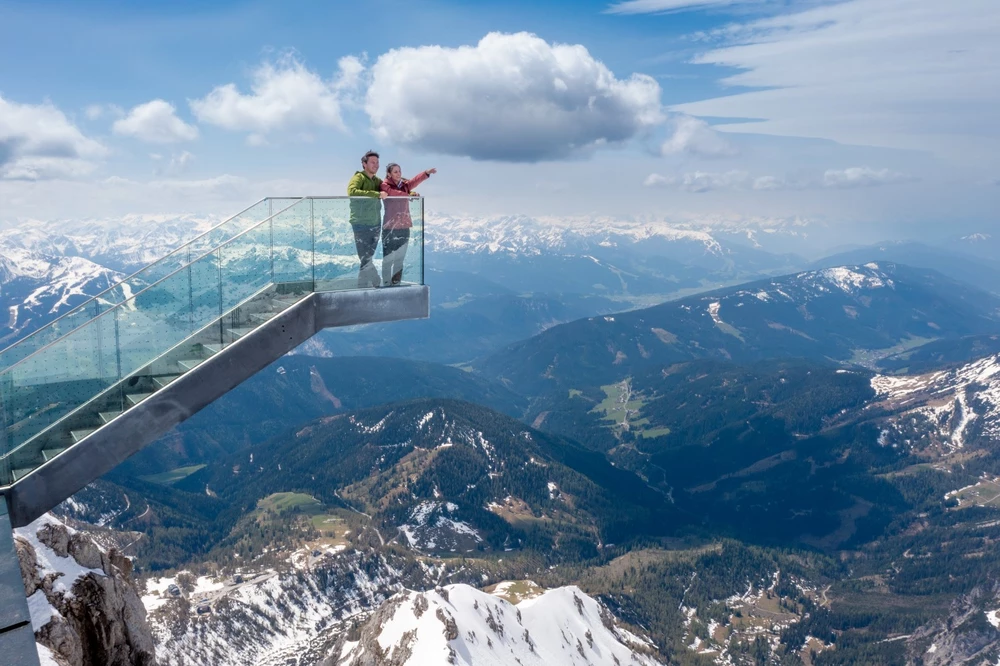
279 204
245 266
55 330
124 290
167 313
59 379
413 259
292 248
335 257
216 237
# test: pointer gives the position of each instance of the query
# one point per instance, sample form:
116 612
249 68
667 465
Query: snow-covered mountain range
529 236
124 244
532 235
353 607
48 268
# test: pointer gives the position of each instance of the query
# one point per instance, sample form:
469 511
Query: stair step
191 363
77 435
21 473
261 317
163 380
136 398
214 348
49 454
107 416
241 331
286 303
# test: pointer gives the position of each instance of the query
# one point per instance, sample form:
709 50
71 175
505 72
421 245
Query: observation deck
91 388
94 386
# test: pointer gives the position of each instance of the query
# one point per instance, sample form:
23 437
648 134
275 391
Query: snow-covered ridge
459 624
852 280
270 618
36 288
947 403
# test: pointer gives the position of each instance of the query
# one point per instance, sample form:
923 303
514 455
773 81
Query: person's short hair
370 153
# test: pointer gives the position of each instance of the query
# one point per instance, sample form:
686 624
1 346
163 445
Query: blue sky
879 111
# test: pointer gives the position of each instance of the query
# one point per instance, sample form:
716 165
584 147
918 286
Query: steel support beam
17 639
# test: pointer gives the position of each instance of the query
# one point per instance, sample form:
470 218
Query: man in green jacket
366 216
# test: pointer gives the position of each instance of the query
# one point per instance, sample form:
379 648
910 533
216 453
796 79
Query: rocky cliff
85 608
969 635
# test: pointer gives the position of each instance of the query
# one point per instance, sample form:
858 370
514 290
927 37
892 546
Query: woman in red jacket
397 223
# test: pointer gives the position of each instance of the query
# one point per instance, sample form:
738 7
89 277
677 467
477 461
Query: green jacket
365 213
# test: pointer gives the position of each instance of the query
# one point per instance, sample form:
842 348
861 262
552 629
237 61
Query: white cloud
695 137
704 181
915 74
155 122
862 177
661 6
350 70
178 164
224 185
38 142
98 111
285 95
511 97
701 181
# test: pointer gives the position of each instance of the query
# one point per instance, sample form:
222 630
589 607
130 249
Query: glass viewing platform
84 371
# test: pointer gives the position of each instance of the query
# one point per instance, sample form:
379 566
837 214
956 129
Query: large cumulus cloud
155 122
511 97
285 95
38 142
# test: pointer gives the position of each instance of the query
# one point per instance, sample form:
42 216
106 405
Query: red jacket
397 211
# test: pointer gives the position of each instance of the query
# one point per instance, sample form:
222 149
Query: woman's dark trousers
394 243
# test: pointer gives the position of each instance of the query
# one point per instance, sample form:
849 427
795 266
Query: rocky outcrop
84 604
970 634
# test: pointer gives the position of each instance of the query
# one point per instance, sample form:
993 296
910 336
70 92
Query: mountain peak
852 279
459 624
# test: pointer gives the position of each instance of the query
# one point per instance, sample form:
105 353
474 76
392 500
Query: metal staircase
80 395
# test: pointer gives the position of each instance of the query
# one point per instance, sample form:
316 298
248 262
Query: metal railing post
312 236
423 233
